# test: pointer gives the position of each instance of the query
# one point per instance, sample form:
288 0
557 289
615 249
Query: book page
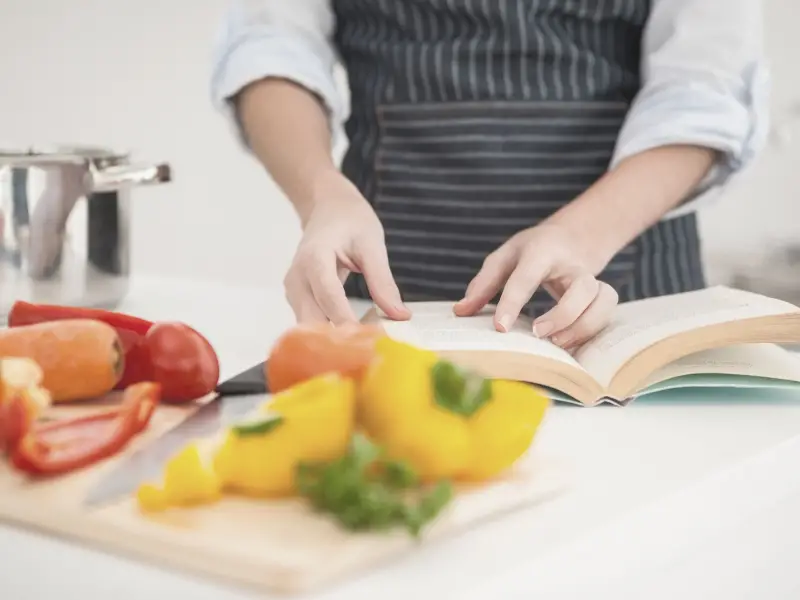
743 360
641 323
434 326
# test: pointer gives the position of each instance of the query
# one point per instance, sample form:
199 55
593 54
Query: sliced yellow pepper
188 481
390 389
151 498
504 428
446 422
312 421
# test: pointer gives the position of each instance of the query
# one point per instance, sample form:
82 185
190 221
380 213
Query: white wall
759 212
133 74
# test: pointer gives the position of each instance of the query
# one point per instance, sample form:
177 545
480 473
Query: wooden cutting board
278 547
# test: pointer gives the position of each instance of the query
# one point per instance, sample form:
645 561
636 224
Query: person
542 157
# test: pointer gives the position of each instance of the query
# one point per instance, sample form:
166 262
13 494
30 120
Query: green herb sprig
257 426
365 491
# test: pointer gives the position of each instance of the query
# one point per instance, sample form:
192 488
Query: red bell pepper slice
26 313
63 446
17 416
131 331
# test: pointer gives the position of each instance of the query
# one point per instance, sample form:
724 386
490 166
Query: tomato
182 361
306 351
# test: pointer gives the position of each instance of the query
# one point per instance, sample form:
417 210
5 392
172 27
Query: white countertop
694 496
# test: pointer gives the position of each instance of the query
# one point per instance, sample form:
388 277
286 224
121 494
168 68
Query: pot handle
115 177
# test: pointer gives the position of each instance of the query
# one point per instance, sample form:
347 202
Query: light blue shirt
705 81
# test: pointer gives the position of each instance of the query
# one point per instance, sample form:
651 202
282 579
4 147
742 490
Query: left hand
545 256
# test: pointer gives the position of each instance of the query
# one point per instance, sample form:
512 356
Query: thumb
373 262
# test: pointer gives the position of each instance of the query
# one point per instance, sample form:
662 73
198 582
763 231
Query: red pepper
21 401
131 331
63 446
17 416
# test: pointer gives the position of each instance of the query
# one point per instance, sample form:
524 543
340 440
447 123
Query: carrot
80 358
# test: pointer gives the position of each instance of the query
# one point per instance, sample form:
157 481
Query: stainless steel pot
64 224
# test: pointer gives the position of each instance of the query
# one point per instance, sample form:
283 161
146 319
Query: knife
251 381
235 398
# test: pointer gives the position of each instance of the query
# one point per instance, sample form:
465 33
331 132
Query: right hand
341 234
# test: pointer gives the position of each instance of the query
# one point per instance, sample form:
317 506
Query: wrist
630 199
593 237
598 223
328 190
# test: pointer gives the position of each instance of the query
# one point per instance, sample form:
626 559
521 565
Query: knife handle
251 381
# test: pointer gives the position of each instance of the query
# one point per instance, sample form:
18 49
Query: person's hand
341 234
542 256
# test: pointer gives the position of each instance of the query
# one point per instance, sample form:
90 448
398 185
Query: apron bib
475 119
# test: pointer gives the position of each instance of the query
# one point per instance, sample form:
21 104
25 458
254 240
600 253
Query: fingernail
561 340
542 328
504 322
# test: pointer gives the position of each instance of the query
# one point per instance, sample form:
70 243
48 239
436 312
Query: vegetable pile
87 352
370 431
53 355
48 448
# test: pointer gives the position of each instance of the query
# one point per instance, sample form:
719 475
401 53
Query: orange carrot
80 358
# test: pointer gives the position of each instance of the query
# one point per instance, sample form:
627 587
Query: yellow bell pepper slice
390 388
312 421
448 423
503 429
151 498
188 481
396 409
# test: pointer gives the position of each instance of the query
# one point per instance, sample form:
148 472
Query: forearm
287 129
631 198
703 101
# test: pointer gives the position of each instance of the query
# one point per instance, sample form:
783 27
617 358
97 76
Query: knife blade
147 463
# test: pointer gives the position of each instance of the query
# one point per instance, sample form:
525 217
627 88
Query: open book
708 338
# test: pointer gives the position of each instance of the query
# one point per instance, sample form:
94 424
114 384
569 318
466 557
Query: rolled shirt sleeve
287 39
705 83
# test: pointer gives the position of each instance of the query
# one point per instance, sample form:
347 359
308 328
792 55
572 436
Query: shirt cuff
260 54
700 113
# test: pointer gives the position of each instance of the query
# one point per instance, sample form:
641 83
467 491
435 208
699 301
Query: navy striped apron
474 119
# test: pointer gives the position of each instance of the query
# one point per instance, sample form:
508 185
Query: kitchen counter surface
693 496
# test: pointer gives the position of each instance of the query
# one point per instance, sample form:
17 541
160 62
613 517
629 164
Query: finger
373 262
522 283
309 312
593 320
555 288
484 286
323 279
580 293
302 302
